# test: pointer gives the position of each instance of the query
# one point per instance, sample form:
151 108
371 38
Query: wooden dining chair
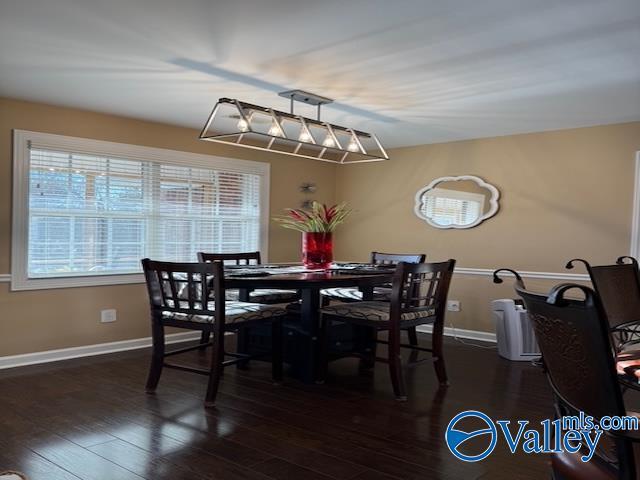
618 287
380 258
382 293
241 258
180 296
350 294
418 297
574 339
262 295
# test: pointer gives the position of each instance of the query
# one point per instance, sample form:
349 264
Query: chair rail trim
487 272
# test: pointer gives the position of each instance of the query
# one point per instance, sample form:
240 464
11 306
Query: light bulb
328 141
304 136
243 125
274 131
353 146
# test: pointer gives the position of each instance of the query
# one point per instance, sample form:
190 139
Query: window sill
18 284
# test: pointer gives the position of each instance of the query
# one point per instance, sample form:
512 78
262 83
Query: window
451 207
86 212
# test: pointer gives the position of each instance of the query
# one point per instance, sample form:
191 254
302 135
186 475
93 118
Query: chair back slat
191 288
155 282
379 258
185 287
431 288
171 282
241 258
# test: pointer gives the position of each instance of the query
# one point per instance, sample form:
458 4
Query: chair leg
365 344
323 360
204 339
276 351
157 357
413 336
217 357
395 366
413 341
437 353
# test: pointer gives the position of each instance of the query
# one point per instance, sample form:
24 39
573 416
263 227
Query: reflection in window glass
451 211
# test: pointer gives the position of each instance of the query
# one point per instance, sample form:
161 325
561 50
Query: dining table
302 327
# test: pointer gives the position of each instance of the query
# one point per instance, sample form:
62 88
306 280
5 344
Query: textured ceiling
412 71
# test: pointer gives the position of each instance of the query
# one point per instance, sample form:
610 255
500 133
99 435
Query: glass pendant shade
329 141
252 126
243 125
275 130
304 136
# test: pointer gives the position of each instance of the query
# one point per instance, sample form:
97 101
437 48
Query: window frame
22 139
634 241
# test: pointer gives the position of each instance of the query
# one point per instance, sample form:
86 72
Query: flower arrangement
317 226
320 219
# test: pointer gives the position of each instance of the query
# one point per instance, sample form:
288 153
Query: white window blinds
96 215
451 211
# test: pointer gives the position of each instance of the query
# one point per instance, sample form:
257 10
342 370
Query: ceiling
412 71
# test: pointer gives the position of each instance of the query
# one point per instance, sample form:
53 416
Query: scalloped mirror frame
493 201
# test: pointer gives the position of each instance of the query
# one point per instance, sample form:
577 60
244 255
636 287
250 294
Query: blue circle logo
456 438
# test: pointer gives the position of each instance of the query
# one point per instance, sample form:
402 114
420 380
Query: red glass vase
317 249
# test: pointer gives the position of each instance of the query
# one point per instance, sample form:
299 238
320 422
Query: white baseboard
462 333
89 350
13 361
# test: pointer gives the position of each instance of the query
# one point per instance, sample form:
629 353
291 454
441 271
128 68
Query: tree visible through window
93 215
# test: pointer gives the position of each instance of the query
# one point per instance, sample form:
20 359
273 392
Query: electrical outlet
453 305
107 316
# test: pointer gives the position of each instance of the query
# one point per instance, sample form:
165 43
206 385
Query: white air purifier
514 333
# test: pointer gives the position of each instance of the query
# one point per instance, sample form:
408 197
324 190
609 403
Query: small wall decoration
456 202
308 188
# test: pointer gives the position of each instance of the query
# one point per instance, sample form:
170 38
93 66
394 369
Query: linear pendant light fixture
245 125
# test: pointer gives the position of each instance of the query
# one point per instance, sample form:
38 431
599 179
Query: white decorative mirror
457 202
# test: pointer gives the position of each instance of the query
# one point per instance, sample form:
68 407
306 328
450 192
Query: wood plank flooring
90 419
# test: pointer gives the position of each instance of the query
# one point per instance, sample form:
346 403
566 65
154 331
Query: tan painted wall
564 194
42 320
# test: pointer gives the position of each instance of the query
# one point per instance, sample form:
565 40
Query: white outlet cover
107 316
453 305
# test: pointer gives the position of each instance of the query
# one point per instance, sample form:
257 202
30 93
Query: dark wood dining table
303 331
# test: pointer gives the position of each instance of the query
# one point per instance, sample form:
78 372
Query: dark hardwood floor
89 418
